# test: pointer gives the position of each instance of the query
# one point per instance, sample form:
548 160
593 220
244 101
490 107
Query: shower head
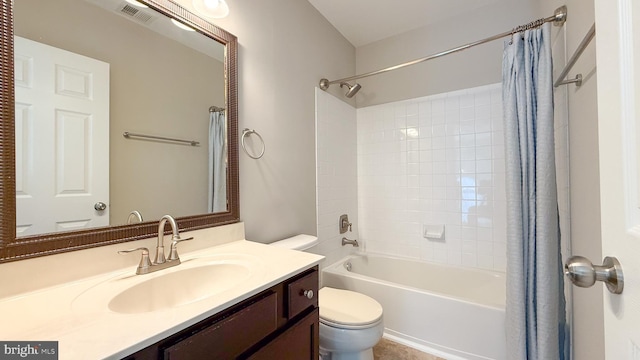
352 89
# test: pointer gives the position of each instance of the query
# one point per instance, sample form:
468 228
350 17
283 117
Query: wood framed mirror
20 247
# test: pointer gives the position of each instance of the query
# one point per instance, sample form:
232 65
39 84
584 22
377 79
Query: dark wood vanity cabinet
279 323
298 342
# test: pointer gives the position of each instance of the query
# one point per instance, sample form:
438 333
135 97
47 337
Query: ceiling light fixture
136 3
182 26
215 9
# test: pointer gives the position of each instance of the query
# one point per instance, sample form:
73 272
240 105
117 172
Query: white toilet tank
299 242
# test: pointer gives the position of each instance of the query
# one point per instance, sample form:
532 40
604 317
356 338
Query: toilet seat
349 327
346 309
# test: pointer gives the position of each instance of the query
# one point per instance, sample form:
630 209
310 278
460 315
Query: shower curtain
536 321
217 162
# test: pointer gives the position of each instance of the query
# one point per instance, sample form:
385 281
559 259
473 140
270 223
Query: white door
618 67
62 139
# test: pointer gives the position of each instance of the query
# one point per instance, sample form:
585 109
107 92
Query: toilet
350 322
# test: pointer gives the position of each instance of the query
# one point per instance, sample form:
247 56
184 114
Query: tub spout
346 241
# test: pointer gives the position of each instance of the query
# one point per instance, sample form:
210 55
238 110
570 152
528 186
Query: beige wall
477 66
588 336
157 86
286 47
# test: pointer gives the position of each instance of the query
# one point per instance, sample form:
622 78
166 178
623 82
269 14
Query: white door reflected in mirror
62 168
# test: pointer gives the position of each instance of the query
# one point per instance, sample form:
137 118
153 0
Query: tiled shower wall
336 167
436 160
432 160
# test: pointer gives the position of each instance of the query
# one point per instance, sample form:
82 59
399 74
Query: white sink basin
191 281
178 288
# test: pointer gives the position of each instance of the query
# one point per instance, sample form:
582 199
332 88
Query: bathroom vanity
278 323
229 298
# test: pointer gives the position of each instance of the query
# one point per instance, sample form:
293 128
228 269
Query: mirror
159 80
106 85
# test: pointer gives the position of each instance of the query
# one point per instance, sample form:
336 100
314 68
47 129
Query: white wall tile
454 176
395 167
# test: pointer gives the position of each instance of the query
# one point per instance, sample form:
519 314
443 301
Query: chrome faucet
134 215
346 241
146 266
160 259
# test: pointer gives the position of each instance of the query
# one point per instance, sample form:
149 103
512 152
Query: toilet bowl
350 322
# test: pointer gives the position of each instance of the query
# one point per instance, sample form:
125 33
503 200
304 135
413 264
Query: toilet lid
344 307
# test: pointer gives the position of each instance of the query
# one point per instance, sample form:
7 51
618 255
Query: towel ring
246 132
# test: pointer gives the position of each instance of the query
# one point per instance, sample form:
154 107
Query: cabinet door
299 342
230 337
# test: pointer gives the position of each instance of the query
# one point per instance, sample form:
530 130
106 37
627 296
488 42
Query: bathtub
455 313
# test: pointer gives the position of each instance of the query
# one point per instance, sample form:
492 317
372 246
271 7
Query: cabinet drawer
298 293
231 336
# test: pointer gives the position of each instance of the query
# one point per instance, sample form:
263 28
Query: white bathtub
455 313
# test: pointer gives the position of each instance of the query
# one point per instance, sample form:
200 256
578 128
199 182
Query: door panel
618 61
62 139
73 159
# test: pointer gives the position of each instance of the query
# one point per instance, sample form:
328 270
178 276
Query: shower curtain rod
558 18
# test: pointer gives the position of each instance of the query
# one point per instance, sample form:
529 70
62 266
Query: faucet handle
173 254
344 223
145 262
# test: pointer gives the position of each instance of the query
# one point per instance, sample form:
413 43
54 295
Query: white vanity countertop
77 316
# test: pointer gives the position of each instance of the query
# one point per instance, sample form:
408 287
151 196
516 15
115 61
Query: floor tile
389 350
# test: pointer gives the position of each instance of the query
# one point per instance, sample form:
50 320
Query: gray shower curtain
217 162
535 298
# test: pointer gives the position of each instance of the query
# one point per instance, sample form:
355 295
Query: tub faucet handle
344 223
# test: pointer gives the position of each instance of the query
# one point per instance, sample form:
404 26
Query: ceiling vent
135 13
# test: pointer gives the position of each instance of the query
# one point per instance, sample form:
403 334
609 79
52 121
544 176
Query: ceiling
159 23
364 21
